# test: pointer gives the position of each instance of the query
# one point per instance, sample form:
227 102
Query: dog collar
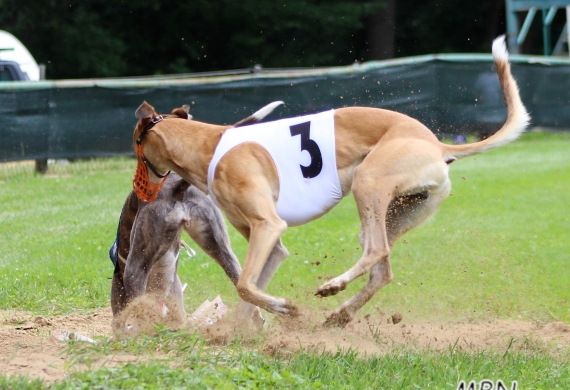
150 125
153 121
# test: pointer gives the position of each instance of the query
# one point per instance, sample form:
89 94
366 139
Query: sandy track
26 348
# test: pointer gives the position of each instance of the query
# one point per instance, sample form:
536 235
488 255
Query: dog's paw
330 288
285 308
293 310
257 318
338 319
246 313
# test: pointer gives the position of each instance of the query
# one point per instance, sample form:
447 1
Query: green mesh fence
451 94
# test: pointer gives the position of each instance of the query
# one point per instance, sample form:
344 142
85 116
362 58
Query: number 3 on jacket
307 189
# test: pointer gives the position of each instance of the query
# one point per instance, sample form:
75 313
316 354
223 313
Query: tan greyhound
394 165
146 260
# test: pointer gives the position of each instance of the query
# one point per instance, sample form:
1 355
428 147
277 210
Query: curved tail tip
276 104
263 112
500 49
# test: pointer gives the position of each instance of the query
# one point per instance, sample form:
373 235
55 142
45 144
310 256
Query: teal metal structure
548 8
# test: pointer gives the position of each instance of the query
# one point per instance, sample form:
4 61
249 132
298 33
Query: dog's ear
145 110
183 112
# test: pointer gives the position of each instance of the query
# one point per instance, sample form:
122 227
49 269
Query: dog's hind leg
372 206
404 213
386 173
380 276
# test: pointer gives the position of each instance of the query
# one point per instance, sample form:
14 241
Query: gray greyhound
145 252
149 242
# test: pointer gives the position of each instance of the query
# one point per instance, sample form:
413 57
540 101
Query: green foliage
132 38
20 383
448 26
96 38
71 38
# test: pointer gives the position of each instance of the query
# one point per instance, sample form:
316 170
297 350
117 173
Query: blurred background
429 59
97 38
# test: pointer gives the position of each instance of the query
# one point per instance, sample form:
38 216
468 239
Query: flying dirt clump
396 318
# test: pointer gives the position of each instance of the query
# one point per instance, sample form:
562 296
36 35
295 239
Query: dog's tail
259 114
517 118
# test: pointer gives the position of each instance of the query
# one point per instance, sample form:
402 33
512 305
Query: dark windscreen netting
77 119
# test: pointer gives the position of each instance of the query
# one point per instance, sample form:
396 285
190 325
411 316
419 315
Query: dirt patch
26 348
374 335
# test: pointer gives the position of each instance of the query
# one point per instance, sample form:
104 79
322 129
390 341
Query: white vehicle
13 51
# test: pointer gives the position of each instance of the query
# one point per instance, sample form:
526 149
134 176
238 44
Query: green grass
55 235
184 361
498 248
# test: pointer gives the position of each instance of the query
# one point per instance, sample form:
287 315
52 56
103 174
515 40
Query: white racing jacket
303 150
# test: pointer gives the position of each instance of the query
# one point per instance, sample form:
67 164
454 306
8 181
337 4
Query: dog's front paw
285 308
338 319
330 288
293 311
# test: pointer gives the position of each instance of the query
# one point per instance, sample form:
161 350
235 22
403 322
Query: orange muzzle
145 189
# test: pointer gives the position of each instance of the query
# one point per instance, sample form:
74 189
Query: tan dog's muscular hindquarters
394 165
